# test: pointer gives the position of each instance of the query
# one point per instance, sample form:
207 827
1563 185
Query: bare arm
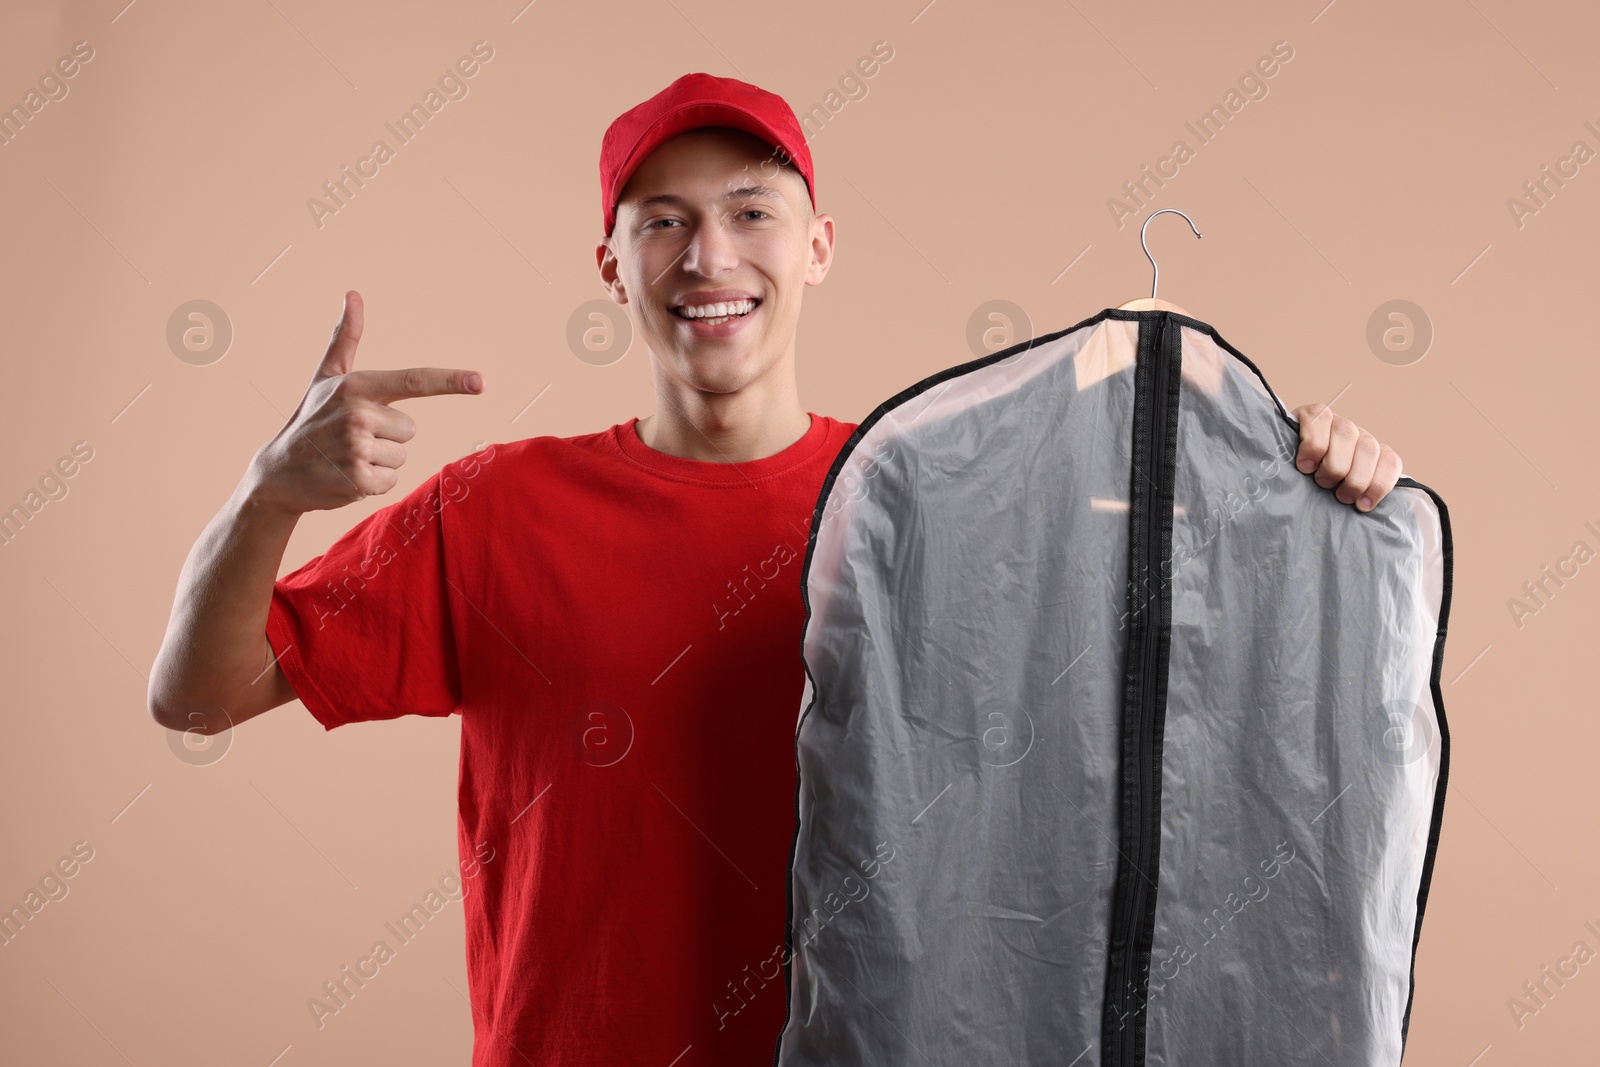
343 443
215 667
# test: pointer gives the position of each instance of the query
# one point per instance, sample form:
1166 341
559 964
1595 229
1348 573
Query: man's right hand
344 442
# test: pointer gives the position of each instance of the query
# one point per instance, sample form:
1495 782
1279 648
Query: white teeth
723 310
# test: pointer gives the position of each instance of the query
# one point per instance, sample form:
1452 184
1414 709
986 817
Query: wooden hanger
1150 303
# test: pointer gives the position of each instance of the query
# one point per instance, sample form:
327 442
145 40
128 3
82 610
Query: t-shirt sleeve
364 631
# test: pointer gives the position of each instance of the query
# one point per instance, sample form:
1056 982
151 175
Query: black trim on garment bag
1447 546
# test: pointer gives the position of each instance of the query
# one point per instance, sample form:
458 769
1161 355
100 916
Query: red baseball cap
691 102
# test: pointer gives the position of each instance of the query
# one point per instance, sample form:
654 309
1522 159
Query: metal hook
1156 276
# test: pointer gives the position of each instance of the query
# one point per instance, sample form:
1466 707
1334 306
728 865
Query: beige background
223 891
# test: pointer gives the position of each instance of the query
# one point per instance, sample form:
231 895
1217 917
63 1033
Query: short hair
805 200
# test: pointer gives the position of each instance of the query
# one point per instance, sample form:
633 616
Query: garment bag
1121 740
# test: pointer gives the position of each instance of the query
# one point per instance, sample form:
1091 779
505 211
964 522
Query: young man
616 616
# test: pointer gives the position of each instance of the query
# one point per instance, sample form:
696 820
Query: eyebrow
743 193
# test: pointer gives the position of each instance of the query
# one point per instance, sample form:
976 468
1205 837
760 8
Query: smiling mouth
715 314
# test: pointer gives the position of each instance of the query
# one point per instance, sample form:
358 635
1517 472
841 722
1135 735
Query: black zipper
1145 691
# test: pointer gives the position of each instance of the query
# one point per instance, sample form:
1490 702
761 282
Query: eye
654 222
755 211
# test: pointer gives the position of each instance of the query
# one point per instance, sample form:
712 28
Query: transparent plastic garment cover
1121 739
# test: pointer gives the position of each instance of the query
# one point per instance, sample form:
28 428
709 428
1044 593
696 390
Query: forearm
215 652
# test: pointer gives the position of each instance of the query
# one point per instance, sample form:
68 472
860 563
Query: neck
757 421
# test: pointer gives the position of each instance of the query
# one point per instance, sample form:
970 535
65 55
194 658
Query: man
616 616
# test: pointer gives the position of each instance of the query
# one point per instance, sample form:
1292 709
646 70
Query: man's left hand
1343 457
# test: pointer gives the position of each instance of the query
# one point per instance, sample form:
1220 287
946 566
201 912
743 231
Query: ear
610 277
821 249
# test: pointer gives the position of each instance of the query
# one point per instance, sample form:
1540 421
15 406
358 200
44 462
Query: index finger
386 385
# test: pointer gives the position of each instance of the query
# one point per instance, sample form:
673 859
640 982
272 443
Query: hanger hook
1156 271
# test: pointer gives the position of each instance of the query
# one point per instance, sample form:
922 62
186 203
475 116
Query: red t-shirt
620 631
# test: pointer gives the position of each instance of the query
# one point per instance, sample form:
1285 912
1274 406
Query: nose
711 248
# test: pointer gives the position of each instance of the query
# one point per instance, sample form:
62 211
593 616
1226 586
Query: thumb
341 355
